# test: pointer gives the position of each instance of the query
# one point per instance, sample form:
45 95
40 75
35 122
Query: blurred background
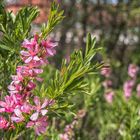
115 23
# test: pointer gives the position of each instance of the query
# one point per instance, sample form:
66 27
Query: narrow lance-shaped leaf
16 28
55 17
71 76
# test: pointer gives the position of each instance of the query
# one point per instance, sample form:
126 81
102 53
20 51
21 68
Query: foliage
64 84
88 99
14 29
54 18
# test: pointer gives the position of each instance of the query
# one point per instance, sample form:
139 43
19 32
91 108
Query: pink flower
26 108
39 108
107 83
30 86
25 71
49 46
10 103
109 96
17 104
64 136
106 71
128 86
15 88
30 45
39 63
35 53
11 126
30 56
39 125
17 78
3 123
133 70
81 113
68 128
18 116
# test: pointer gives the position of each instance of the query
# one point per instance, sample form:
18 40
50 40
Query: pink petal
18 112
2 104
2 110
36 58
24 53
13 92
46 102
30 124
37 101
42 129
10 87
30 72
26 108
44 112
31 85
50 52
16 119
39 79
14 98
34 116
25 43
28 59
51 44
37 131
38 71
64 136
7 99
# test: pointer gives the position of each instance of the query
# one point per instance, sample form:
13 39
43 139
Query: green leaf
71 76
6 47
16 28
24 19
55 17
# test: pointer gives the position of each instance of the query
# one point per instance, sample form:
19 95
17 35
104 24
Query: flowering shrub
29 103
77 101
117 109
18 103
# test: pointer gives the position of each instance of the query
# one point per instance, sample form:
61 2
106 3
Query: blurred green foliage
116 26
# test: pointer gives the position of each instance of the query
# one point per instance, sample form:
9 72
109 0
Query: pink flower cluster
68 134
109 96
107 84
133 70
21 105
129 84
128 87
106 71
